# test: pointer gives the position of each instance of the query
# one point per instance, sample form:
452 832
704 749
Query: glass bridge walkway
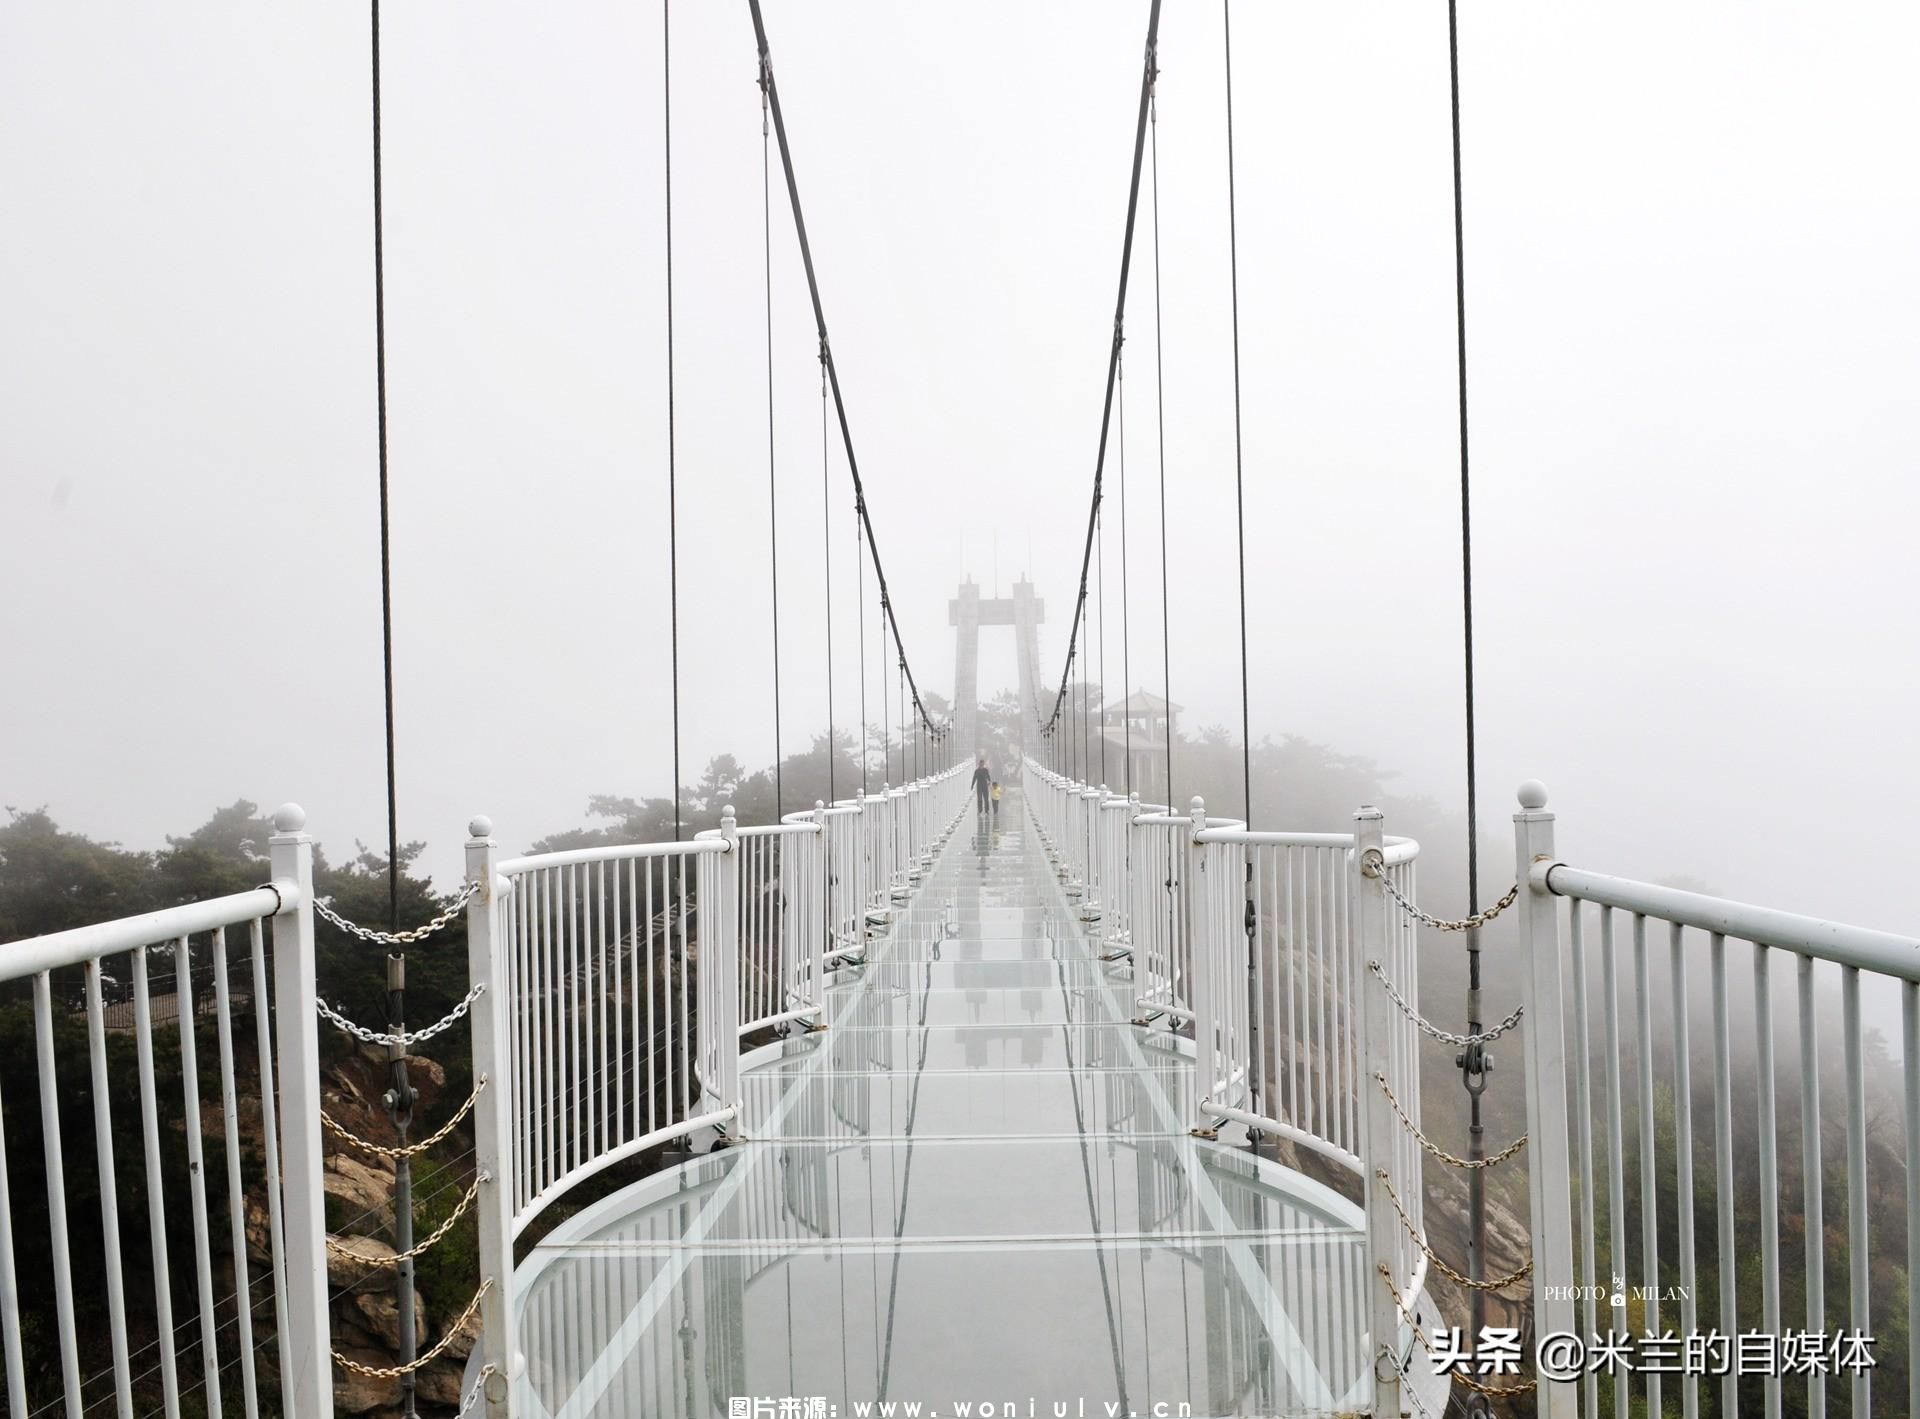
969 1194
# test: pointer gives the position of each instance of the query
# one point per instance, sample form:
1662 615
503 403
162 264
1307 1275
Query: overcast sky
1693 305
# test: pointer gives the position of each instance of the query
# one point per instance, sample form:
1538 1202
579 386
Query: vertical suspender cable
773 485
1104 688
860 572
1239 484
673 503
386 541
1160 429
400 1109
1473 1058
1249 916
826 537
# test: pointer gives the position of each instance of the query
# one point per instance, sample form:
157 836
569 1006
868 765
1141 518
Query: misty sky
1693 305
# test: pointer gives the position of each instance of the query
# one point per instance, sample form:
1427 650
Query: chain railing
401 938
1427 1027
403 1039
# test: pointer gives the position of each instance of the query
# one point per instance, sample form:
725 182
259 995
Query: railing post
492 1119
308 1387
1200 971
1548 1167
1378 1136
720 952
823 914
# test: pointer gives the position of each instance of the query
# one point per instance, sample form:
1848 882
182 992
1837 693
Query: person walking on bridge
982 784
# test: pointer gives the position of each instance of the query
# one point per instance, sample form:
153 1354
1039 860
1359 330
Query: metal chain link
394 1372
1374 866
1492 1391
1428 1027
339 1130
420 1249
1433 1256
474 1394
401 938
405 1039
1434 1148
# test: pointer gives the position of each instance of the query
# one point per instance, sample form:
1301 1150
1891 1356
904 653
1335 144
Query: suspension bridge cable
1160 431
386 536
1472 1060
1102 584
1126 653
673 504
773 485
1239 485
860 571
826 537
826 345
1149 68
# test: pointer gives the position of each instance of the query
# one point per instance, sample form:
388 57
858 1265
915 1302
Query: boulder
379 1314
440 1383
361 1271
356 1393
364 1192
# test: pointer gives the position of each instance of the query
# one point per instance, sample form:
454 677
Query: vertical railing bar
1683 1154
270 1142
1589 1274
10 1291
1723 1171
56 1191
1649 1187
1813 1207
109 1189
1769 1165
621 1119
236 1202
1616 1139
156 1200
577 1136
197 1171
1859 1253
600 988
653 1028
683 961
1910 1067
1296 930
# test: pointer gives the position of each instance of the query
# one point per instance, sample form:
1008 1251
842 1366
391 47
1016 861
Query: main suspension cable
673 502
772 89
1149 68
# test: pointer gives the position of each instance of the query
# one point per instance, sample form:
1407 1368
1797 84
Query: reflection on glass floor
971 1188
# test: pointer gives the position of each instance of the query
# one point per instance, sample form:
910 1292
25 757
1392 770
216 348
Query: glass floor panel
971 1187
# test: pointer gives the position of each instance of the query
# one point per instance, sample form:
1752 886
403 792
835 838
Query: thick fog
1692 313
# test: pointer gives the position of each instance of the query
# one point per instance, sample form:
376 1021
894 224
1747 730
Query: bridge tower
967 613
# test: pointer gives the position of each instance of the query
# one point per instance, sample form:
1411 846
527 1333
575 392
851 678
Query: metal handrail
80 944
617 852
1883 952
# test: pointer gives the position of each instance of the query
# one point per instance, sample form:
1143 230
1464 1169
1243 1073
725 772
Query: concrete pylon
967 613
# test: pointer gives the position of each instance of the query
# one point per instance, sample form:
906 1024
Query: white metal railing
1598 1087
1275 953
621 980
278 952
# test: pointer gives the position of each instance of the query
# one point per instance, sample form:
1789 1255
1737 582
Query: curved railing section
1272 953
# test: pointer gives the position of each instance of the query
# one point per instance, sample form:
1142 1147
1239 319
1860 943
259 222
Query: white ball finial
480 826
1533 794
289 818
1199 804
726 813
